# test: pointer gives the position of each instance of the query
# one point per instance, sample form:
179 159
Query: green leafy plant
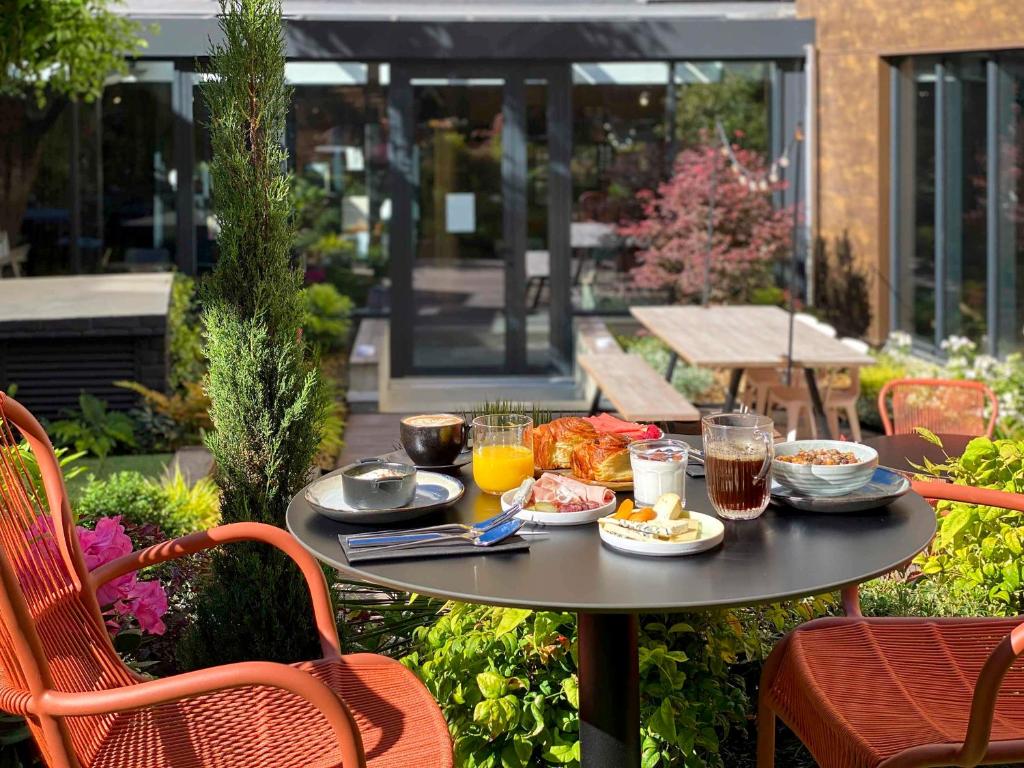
173 420
506 681
69 465
978 548
373 619
172 505
93 428
190 507
328 317
268 401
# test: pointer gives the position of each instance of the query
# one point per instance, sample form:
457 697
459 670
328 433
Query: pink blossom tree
749 235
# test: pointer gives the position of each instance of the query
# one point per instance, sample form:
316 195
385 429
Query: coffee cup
433 440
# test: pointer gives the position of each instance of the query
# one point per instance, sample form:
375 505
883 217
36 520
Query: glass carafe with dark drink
738 463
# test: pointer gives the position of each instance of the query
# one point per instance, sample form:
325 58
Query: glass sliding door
459 270
476 284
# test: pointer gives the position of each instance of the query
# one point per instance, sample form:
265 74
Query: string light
755 182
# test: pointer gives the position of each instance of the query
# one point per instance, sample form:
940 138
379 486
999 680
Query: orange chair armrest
990 497
225 534
986 691
204 681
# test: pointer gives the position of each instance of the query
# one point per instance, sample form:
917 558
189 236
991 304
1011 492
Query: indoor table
783 554
747 336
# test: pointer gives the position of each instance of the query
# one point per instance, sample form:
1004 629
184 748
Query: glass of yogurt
659 467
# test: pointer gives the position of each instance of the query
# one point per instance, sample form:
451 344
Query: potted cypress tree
268 401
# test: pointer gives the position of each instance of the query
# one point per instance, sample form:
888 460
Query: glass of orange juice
502 451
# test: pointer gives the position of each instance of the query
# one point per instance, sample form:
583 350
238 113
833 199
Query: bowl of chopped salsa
823 467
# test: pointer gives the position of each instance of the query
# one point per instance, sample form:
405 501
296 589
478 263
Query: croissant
553 442
605 459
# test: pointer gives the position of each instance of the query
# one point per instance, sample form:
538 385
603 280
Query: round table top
783 554
903 451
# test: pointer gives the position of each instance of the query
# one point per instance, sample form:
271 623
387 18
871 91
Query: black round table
902 452
783 554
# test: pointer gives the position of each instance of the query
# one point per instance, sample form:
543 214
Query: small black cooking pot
377 484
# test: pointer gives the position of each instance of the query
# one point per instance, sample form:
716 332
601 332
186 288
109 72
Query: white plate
711 534
433 491
558 518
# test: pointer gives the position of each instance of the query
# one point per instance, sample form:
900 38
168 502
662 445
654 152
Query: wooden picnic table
742 337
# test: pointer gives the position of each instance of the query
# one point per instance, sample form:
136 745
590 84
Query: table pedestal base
609 679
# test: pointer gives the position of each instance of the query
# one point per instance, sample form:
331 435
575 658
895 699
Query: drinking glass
502 451
659 467
738 450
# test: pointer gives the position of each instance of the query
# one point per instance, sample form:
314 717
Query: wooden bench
638 392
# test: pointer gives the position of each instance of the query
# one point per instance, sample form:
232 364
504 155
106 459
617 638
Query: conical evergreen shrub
267 399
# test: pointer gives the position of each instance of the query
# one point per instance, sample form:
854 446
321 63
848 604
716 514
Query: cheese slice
670 507
664 530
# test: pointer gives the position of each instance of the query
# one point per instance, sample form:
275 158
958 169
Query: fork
356 539
488 538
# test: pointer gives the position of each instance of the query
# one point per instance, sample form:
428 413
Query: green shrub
171 505
186 362
131 495
924 597
872 379
328 317
694 383
977 548
506 681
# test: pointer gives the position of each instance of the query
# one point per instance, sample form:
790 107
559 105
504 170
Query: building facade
461 167
919 152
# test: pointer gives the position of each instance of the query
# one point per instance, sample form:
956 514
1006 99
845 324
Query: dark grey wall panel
552 41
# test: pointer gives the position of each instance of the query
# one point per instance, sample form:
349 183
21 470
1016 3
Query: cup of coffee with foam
433 440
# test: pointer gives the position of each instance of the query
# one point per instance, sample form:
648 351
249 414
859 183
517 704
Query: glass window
942 206
1010 201
337 141
129 219
917 206
736 93
619 131
965 189
35 200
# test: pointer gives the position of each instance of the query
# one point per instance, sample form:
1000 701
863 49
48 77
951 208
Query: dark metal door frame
514 203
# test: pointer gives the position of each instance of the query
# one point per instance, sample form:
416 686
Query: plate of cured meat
592 449
559 500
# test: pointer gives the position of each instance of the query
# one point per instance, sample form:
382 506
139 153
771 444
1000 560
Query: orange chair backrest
941 405
52 634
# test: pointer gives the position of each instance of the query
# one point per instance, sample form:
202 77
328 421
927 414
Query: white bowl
821 480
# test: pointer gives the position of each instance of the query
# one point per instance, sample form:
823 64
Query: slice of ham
605 422
567 492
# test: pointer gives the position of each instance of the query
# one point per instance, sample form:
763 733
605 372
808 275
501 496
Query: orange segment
625 510
643 515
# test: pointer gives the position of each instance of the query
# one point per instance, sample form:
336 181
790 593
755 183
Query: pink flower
107 542
148 604
146 600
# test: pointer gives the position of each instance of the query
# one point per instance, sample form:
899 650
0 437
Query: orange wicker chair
941 405
85 709
900 692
